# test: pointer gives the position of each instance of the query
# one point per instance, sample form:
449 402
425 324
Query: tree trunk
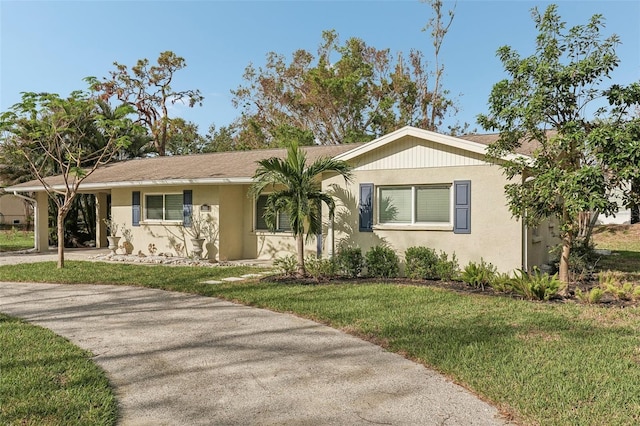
564 258
300 241
61 216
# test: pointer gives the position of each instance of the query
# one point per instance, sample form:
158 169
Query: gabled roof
240 166
214 168
472 143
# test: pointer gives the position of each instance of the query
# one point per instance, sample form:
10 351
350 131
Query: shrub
349 261
591 297
612 282
479 275
536 285
319 268
424 263
502 282
287 265
447 269
382 262
420 263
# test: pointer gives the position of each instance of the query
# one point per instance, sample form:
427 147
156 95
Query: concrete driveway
177 359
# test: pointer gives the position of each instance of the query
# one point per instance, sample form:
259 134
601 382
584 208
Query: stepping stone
251 275
212 282
231 279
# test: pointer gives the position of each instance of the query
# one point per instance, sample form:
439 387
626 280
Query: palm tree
297 191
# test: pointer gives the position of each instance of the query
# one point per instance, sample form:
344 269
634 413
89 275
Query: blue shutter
462 207
365 207
187 207
135 208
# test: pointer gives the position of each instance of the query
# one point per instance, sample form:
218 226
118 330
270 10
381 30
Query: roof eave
124 184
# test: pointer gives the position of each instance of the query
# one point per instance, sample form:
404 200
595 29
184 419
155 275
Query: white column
41 222
101 213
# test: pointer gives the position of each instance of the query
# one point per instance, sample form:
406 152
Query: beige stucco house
411 187
14 210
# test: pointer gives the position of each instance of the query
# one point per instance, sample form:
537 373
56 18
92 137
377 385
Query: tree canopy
555 98
70 137
349 92
148 89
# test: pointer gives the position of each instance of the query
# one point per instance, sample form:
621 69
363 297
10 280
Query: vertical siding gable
414 153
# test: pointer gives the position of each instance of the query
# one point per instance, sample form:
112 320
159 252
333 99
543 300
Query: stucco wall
13 210
495 236
168 237
232 211
263 244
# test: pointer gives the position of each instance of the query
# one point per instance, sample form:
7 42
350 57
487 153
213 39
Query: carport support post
101 213
41 225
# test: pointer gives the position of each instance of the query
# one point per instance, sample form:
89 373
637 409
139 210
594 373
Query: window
282 218
166 207
414 204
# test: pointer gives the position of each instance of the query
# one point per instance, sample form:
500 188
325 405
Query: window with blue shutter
135 208
365 207
187 207
462 207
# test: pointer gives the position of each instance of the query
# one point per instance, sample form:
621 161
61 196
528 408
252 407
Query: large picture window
282 218
430 204
163 207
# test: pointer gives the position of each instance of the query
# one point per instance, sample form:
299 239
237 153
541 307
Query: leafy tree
148 89
297 190
347 93
183 138
70 137
549 99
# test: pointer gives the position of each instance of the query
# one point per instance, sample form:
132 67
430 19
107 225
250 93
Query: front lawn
542 363
14 240
45 380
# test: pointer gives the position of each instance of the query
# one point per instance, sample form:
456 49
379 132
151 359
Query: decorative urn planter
113 243
197 247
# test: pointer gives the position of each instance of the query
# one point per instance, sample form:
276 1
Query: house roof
526 148
472 143
214 168
239 166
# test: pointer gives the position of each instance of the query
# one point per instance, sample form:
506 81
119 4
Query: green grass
543 363
152 276
624 242
45 380
14 240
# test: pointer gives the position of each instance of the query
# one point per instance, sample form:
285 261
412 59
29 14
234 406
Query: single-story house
411 187
14 210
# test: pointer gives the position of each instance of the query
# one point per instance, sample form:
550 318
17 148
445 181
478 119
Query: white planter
197 247
113 243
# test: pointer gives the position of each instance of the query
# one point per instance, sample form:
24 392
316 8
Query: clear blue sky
52 45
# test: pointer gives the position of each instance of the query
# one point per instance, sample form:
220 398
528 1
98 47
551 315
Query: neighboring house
411 188
14 211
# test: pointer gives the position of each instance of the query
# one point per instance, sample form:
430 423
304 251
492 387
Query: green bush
319 268
502 282
420 263
592 297
446 269
424 263
536 285
287 265
349 261
382 262
479 275
615 284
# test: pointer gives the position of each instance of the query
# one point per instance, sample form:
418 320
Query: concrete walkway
177 359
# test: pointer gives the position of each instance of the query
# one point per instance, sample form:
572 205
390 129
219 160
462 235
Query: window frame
164 219
413 222
266 229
